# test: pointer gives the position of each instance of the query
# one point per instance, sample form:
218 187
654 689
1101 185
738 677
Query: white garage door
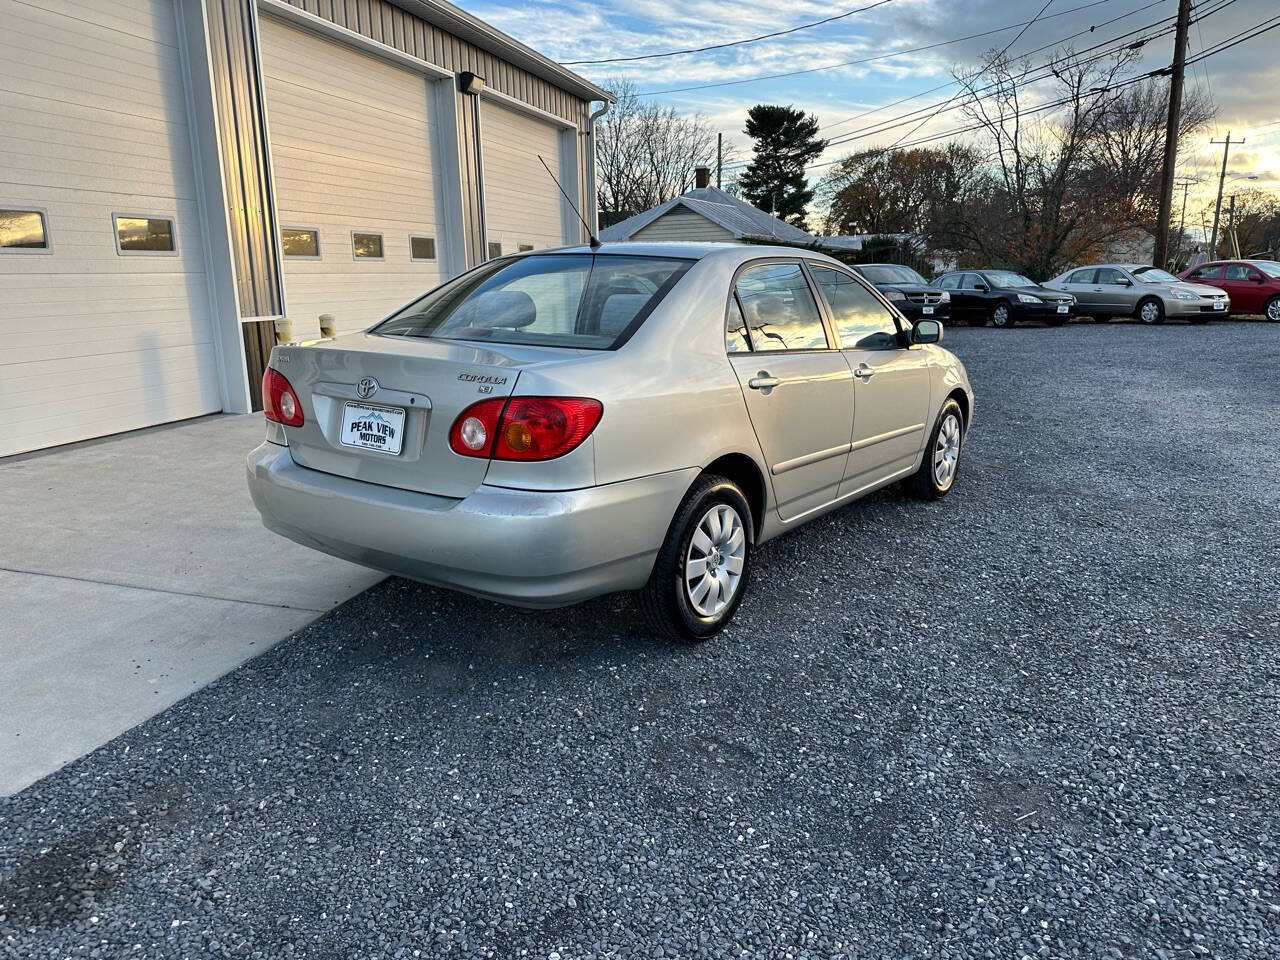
355 189
93 125
522 207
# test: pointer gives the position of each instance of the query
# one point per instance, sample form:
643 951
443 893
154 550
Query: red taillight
524 428
279 402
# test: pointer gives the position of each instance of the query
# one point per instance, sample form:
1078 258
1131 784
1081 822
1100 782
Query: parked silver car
1146 292
559 425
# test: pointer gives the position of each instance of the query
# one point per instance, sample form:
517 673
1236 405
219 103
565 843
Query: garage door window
422 248
495 251
146 235
525 247
366 246
300 242
23 231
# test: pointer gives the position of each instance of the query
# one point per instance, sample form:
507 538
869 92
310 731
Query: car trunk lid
379 408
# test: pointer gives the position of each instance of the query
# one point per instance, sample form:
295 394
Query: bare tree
646 152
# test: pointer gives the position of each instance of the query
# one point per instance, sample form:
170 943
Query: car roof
692 250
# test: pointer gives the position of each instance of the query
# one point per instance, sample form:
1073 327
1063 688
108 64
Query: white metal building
175 175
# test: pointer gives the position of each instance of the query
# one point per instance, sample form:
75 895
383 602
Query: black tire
1147 316
665 600
1271 311
1002 315
924 484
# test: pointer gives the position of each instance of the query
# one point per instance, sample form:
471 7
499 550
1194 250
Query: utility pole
1161 256
1231 228
719 158
1182 221
1222 179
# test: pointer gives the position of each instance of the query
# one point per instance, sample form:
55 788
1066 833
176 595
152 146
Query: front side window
300 242
1236 271
779 308
1109 275
863 321
971 281
585 301
144 234
1083 276
23 230
366 246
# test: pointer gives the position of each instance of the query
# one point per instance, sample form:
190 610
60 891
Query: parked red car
1254 285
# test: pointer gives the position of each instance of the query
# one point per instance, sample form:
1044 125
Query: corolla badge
366 388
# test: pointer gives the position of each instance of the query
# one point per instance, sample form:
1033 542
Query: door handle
865 372
763 381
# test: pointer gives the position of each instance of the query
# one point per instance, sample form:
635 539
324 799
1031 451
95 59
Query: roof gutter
474 30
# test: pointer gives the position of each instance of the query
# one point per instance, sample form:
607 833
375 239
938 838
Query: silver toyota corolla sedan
1145 292
558 425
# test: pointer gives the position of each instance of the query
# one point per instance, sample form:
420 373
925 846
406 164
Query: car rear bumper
529 548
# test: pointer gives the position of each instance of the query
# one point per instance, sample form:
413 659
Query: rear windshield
581 300
890 273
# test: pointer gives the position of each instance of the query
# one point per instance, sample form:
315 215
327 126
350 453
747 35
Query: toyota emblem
366 388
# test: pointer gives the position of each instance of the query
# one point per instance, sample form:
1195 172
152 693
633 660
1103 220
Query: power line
879 56
730 43
1106 48
1248 34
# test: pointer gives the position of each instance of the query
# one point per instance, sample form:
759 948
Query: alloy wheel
713 566
946 452
1273 310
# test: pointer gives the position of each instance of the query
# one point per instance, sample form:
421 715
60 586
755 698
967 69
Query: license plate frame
926 311
1219 304
385 428
1064 308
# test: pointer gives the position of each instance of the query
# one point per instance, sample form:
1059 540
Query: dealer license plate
372 428
1064 308
1219 304
927 311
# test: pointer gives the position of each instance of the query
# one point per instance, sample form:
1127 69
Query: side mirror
926 331
1258 278
1125 282
981 287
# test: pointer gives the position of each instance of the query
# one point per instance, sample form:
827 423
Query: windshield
1154 275
581 300
1269 267
890 273
1006 278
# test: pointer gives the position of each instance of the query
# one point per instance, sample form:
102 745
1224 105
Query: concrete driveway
133 571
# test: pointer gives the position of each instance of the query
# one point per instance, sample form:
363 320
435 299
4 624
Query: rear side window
950 282
1208 273
863 321
587 301
1082 276
780 311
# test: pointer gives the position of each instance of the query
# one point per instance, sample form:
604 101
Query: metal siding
237 89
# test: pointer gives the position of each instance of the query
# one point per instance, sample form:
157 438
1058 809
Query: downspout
593 200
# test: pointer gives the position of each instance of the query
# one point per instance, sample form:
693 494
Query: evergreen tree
786 140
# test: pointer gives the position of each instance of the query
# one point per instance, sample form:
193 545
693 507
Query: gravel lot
1040 718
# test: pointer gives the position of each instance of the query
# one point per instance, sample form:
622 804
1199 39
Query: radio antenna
592 241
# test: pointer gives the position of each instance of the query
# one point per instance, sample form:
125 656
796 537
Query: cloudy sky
1242 81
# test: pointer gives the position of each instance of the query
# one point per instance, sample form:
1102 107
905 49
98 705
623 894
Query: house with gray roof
705 213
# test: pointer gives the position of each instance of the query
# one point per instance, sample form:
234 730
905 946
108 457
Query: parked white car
559 425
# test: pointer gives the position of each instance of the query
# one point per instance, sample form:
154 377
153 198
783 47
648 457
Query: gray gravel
1040 718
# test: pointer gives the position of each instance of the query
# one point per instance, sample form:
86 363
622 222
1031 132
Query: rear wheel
941 463
1272 310
1002 316
1151 311
703 566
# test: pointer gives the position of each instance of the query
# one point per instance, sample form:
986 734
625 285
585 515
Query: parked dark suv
908 291
1004 298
